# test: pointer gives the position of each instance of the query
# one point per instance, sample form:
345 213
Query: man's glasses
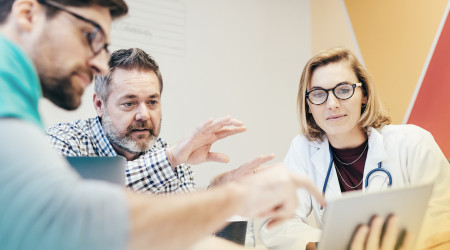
342 91
96 38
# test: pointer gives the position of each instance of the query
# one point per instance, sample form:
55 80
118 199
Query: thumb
217 157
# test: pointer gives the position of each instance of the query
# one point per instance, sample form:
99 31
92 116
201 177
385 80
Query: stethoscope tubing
379 168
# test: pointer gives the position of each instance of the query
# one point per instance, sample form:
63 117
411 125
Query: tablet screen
342 216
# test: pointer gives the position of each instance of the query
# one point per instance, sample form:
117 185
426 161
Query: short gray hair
127 59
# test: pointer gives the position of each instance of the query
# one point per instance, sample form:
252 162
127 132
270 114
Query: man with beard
53 48
128 104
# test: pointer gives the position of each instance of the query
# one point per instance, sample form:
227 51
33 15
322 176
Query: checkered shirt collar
104 146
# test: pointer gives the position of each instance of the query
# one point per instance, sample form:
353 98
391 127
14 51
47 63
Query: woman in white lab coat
342 118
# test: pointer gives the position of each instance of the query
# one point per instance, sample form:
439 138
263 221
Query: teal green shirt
20 89
44 204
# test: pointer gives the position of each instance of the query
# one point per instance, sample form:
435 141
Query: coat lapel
320 160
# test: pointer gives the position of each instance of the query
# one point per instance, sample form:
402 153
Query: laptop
342 216
110 169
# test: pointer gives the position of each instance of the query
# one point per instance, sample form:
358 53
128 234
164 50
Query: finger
225 121
220 122
229 131
246 169
359 238
205 125
217 157
373 241
274 222
304 182
283 211
276 218
391 234
286 210
407 242
255 163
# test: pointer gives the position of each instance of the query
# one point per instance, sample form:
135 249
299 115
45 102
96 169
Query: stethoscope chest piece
381 170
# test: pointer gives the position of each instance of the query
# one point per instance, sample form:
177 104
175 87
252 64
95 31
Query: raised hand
271 193
247 168
195 149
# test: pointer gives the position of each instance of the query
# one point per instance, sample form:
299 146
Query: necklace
354 160
352 187
340 175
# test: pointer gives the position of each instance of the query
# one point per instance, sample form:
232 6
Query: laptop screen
110 169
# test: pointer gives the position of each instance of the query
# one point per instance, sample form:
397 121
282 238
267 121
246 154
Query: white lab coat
408 152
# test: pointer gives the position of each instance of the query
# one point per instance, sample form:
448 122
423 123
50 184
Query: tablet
342 216
110 169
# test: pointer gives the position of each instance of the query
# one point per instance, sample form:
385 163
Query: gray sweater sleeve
45 205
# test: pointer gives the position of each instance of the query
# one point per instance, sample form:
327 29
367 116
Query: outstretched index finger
304 182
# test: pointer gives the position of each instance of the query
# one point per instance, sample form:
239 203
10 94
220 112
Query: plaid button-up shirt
150 173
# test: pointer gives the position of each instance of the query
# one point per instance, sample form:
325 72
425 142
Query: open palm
195 149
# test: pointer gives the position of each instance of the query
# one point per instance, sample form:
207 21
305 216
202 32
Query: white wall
219 57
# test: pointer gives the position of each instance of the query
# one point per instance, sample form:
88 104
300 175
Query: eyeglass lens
97 41
342 91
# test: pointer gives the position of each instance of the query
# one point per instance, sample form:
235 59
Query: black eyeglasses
342 91
96 38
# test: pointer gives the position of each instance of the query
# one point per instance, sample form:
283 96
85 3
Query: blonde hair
373 114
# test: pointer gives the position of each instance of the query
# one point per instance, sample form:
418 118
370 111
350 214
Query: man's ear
26 12
99 105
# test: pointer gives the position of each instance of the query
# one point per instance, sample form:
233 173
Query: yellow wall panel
330 26
395 38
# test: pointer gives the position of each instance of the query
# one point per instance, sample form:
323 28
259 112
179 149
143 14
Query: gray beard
125 143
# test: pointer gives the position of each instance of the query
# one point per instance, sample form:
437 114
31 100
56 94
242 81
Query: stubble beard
61 92
56 82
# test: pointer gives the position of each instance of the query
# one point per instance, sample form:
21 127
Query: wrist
171 158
